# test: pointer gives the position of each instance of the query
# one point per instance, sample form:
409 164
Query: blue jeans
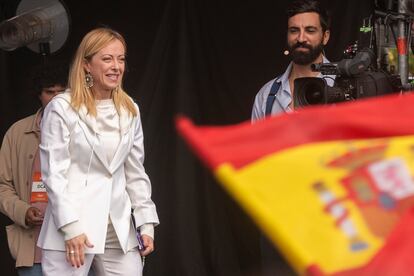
35 270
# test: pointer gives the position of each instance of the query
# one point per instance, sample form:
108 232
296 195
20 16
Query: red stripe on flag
363 119
314 270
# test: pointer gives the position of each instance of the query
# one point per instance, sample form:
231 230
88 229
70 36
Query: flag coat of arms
331 186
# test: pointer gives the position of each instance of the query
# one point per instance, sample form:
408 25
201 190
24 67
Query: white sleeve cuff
71 230
147 229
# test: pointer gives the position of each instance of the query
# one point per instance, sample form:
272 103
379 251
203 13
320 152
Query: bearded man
307 34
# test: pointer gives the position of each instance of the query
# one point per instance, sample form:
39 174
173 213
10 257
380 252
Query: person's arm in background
10 202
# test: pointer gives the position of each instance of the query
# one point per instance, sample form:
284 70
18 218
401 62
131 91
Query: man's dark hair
49 74
302 6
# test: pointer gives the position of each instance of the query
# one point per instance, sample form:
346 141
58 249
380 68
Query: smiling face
305 38
107 67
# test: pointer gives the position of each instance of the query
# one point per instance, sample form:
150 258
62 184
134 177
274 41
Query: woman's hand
75 250
148 245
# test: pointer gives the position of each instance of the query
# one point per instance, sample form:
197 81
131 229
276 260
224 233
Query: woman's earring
88 80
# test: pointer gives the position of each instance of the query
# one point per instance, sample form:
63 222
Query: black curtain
205 60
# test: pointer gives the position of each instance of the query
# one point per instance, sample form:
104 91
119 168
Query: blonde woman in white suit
92 165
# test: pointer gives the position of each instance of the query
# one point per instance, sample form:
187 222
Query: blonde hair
92 43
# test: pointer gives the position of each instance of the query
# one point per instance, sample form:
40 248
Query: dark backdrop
202 58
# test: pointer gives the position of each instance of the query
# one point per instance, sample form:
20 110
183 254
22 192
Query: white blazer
82 186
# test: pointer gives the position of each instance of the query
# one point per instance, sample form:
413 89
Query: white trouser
112 262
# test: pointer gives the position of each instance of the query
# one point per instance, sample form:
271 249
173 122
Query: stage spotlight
41 25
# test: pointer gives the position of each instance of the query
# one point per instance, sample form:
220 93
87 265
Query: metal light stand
403 35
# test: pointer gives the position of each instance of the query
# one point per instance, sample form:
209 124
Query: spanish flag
331 186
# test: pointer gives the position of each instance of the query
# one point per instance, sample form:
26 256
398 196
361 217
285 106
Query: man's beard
307 57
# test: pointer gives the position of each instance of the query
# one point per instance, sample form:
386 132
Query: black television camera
355 78
360 74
